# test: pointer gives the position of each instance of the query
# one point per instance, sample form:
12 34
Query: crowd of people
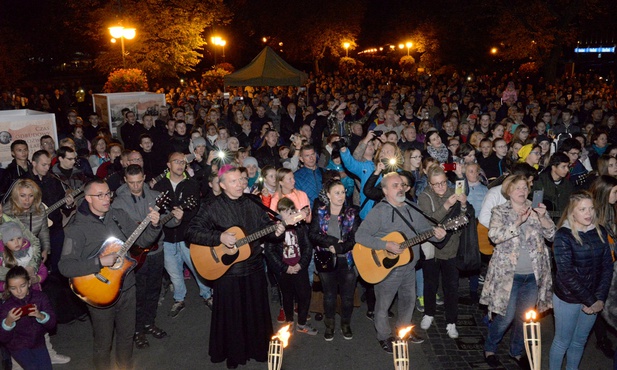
312 171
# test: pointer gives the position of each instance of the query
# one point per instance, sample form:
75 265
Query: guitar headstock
162 201
189 203
455 223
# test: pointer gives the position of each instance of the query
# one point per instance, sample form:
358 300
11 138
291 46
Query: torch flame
283 335
531 316
404 331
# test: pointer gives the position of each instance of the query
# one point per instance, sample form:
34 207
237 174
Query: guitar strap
407 222
113 217
422 212
268 210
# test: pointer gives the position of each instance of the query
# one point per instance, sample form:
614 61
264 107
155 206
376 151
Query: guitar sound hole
389 262
229 259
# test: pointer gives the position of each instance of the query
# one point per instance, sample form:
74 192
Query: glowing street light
346 45
218 41
120 32
408 44
493 51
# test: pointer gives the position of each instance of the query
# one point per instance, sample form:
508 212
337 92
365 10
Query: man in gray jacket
135 198
394 214
94 222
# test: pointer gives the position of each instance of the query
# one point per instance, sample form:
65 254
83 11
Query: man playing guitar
94 222
393 214
241 325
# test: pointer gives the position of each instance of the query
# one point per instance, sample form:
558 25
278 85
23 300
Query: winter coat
508 240
583 272
28 331
348 221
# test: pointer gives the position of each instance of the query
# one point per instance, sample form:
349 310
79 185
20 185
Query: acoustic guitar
139 253
374 265
103 289
213 262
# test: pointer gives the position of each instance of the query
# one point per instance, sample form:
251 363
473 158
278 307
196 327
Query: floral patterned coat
508 240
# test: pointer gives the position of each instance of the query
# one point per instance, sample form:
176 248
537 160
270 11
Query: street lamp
494 51
119 32
409 45
346 45
218 41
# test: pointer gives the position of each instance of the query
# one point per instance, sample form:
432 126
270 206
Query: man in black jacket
241 325
179 188
94 223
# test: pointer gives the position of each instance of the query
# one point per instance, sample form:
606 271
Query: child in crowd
15 251
27 317
290 262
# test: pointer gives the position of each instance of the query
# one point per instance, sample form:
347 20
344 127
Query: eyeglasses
179 161
440 184
102 196
535 152
574 153
405 185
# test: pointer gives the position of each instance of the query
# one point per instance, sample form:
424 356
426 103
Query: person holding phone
27 317
519 273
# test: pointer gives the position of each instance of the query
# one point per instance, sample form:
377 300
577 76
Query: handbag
325 261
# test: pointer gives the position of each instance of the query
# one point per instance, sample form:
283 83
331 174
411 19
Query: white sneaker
426 322
452 332
16 366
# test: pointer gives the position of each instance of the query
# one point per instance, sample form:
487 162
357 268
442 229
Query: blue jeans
523 297
176 255
572 327
420 283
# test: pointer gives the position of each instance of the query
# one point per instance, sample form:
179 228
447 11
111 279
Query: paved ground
187 345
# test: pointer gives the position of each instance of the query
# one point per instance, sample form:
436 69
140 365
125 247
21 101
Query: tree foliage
538 31
126 80
169 39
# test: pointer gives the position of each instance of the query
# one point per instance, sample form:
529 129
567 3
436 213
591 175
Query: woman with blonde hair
519 273
584 269
25 205
287 188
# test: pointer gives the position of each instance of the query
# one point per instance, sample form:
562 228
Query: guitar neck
254 236
135 235
418 239
76 194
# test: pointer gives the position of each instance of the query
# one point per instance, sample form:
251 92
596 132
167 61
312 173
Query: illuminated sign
601 49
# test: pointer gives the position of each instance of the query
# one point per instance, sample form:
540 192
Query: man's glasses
405 185
179 161
102 196
439 184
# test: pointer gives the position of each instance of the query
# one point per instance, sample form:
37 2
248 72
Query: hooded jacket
138 207
28 331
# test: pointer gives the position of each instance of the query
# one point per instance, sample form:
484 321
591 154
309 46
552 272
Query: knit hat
198 141
250 161
523 153
9 231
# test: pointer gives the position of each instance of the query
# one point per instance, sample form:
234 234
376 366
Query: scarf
440 154
600 151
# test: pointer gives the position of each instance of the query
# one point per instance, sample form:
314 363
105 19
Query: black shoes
346 330
492 361
415 338
156 332
386 345
370 315
140 340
